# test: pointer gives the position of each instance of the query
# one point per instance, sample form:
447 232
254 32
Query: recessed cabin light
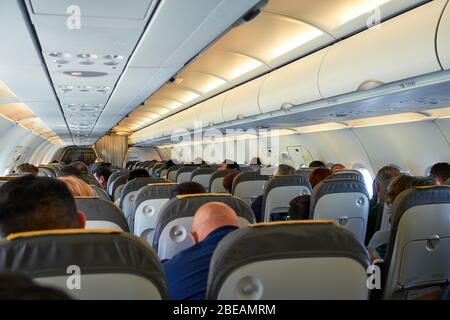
87 62
113 57
87 56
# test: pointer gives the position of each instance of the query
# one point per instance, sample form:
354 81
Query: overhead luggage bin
210 112
400 48
443 36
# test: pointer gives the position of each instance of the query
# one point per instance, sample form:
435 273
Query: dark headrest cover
281 241
116 175
346 176
122 179
136 184
203 171
94 253
185 169
284 181
336 186
220 174
186 206
97 209
249 176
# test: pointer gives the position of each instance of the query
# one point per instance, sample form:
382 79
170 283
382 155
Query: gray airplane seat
343 200
346 175
184 174
249 185
112 178
129 191
101 193
216 180
279 191
118 182
101 214
202 176
172 172
313 260
45 171
175 220
86 264
305 172
418 254
147 207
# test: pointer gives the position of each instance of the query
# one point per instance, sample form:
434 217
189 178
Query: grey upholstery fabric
219 174
186 206
206 172
336 186
97 209
248 176
185 169
159 191
95 253
101 193
305 172
281 241
172 171
121 180
136 184
113 177
355 175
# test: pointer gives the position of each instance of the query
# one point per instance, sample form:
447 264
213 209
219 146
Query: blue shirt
187 272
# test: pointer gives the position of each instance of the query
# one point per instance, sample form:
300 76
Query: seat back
119 181
101 193
305 172
129 191
112 178
175 221
418 259
279 191
289 261
184 174
5 179
202 176
109 264
216 181
147 208
346 201
346 175
172 172
101 214
249 185
45 171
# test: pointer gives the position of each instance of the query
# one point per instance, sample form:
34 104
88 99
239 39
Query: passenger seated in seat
70 171
317 164
80 166
187 188
27 168
187 272
377 248
229 165
32 203
283 170
318 175
78 187
102 175
336 167
228 181
138 173
299 208
440 172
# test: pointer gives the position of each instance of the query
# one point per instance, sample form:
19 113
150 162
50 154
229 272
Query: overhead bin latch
370 84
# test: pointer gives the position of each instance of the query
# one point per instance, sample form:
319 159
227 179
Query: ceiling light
250 65
85 88
86 74
87 56
113 57
87 62
384 120
321 127
294 41
76 73
59 55
111 63
61 61
359 8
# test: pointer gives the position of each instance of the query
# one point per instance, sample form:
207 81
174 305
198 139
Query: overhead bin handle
286 106
240 117
370 84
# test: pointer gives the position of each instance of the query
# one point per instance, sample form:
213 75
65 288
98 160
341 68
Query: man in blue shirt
187 272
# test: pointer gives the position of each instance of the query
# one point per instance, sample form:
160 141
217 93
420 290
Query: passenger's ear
101 180
81 219
194 237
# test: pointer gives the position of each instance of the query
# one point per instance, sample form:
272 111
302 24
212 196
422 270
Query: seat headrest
154 191
249 176
285 181
186 206
337 186
281 240
49 253
102 210
201 171
355 175
136 184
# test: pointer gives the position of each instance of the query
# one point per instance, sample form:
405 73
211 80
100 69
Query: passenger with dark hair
317 164
70 170
440 172
336 167
256 161
229 165
284 170
27 168
80 166
14 286
138 173
187 188
299 208
32 203
102 175
318 175
228 181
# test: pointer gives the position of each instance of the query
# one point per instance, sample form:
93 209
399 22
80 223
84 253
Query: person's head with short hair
33 203
284 170
27 168
138 173
187 188
70 170
210 217
229 165
404 182
256 161
228 181
78 187
15 286
80 166
317 164
102 175
318 175
440 172
336 167
382 179
299 208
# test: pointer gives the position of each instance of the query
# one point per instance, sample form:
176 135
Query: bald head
212 216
